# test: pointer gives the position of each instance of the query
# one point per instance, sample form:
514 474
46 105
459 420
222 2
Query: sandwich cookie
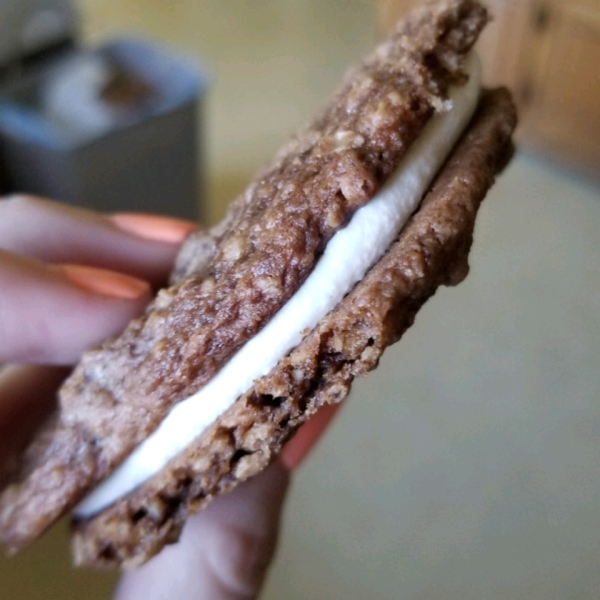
274 312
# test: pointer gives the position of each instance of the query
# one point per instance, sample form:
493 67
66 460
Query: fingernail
106 283
154 227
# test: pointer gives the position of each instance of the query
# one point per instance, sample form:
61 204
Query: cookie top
249 266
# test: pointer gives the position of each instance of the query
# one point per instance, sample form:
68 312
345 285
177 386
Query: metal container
143 160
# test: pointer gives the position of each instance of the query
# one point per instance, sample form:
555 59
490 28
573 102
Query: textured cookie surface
432 250
249 267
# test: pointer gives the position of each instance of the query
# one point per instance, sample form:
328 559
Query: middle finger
52 314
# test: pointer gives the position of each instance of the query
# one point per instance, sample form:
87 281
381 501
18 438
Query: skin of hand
70 278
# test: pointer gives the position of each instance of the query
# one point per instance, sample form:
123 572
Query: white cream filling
366 238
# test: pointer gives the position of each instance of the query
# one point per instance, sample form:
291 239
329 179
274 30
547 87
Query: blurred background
468 466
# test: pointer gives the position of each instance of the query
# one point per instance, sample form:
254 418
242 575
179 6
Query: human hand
70 278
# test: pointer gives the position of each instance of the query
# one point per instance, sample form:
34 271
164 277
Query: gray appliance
113 127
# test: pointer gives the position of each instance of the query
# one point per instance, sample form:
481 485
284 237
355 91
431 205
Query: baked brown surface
432 250
251 265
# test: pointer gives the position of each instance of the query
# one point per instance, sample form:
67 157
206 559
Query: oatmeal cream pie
319 265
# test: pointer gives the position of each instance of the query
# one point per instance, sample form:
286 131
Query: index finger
143 246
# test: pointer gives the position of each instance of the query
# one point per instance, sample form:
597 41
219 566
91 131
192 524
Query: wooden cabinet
560 85
548 53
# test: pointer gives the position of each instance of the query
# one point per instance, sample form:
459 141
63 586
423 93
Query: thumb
224 552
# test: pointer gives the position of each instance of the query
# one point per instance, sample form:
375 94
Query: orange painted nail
154 227
106 283
298 448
